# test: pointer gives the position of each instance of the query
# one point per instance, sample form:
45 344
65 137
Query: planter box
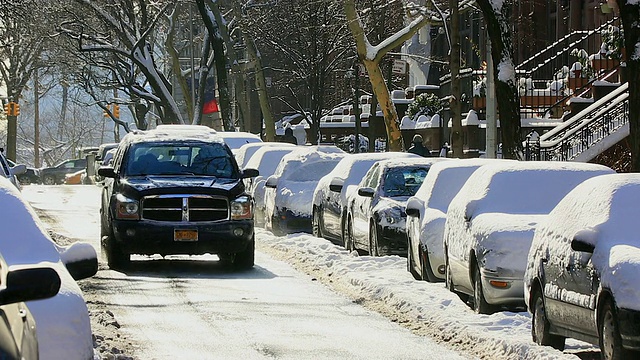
577 83
539 100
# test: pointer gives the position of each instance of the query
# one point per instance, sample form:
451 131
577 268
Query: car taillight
127 209
241 208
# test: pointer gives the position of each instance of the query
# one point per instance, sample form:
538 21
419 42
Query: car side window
374 178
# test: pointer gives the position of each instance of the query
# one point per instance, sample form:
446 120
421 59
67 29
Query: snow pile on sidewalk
384 284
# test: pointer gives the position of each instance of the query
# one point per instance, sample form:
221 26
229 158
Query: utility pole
36 120
492 121
356 109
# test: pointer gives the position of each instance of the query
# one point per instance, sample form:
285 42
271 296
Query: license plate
185 235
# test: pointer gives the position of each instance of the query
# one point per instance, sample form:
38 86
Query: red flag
210 107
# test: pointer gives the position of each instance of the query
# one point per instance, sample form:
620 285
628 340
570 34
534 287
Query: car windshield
209 159
403 181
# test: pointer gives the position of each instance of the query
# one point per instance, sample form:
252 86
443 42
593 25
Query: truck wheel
245 260
115 256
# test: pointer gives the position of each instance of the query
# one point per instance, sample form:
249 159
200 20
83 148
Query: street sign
399 67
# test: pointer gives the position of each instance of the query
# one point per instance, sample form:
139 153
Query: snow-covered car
490 225
18 337
426 214
266 160
246 151
329 207
582 275
235 139
289 190
63 324
375 211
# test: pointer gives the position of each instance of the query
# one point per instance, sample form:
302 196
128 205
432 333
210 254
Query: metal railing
584 131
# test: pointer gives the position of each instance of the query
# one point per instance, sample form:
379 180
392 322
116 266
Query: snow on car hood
392 209
503 240
160 182
619 267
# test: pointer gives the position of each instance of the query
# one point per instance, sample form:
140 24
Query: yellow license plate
185 235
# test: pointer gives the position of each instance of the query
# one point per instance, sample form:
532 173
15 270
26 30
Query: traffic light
116 111
12 109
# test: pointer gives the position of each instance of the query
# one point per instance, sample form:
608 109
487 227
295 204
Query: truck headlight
127 209
241 208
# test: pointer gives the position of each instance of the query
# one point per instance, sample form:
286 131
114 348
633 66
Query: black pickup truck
176 189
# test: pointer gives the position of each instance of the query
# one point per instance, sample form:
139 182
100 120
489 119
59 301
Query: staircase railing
585 130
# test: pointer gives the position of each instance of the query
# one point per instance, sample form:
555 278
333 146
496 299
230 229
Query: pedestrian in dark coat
289 137
418 148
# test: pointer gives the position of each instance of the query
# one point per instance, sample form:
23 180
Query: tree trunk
223 84
504 75
630 13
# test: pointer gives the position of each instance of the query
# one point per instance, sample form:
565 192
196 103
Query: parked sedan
376 210
56 174
490 225
289 190
582 275
235 139
18 337
427 212
329 198
266 160
64 327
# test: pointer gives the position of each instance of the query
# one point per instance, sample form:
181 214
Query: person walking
289 137
418 148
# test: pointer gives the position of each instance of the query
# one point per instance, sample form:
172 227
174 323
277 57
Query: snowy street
194 308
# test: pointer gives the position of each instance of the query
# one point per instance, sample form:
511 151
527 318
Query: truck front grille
185 208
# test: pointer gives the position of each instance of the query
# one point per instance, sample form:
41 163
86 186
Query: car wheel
24 180
540 325
373 240
245 260
49 180
411 264
480 305
425 267
315 225
610 340
115 256
348 240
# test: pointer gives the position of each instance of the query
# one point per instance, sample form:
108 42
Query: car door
362 207
571 285
331 212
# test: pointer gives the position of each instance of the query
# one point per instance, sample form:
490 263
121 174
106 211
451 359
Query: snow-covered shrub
424 104
480 87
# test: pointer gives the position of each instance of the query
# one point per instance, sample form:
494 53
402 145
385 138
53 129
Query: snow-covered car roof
246 151
522 187
353 167
173 133
266 159
445 179
392 163
601 211
304 155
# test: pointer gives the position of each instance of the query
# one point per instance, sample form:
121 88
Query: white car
330 196
290 189
427 212
63 324
490 225
246 151
582 273
266 160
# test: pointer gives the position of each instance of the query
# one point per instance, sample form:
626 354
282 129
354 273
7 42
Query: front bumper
392 241
287 222
148 237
